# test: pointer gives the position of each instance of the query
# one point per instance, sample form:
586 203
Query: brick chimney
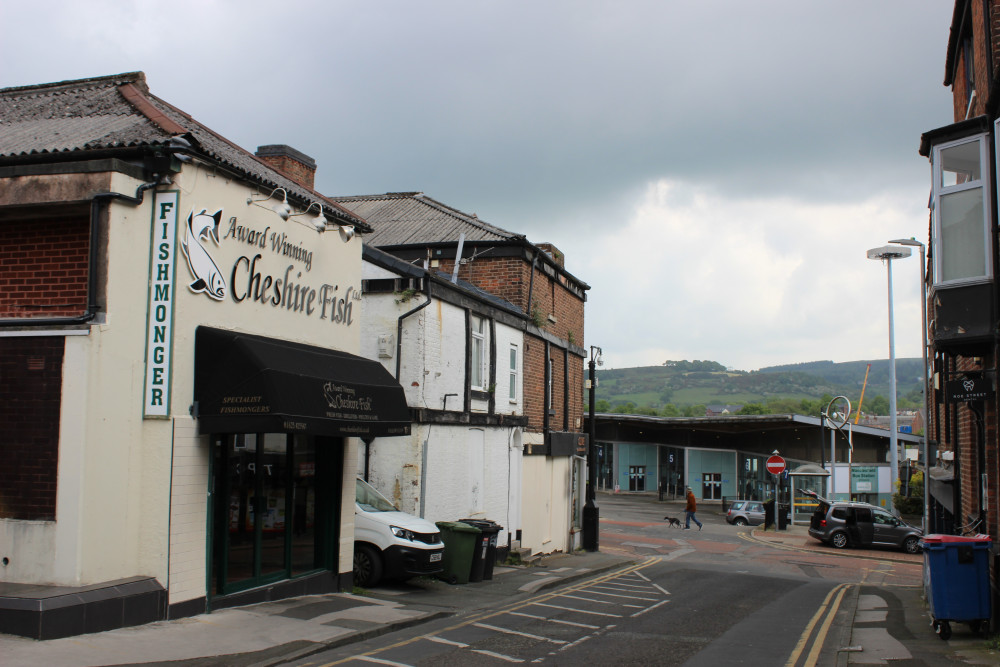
554 253
292 163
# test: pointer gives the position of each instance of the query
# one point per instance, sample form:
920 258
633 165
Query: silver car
745 513
842 524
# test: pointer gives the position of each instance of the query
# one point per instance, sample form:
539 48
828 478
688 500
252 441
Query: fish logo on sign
207 276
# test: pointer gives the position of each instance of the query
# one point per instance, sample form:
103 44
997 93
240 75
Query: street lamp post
591 512
887 254
927 393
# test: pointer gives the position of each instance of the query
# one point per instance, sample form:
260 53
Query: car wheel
740 521
367 566
839 540
911 545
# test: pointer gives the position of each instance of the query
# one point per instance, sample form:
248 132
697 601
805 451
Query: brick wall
43 267
30 396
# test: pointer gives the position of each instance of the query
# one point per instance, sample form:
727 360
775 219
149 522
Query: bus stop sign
775 465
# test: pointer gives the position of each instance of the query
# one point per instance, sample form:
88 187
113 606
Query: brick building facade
963 306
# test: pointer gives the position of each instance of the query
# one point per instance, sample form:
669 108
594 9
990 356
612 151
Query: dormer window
961 240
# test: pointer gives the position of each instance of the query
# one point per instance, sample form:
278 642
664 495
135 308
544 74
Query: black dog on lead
671 521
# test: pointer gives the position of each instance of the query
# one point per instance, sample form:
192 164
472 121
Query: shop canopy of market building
795 436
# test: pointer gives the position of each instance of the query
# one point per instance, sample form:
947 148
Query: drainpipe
531 283
95 210
399 325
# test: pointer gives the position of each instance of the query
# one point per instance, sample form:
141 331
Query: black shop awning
252 384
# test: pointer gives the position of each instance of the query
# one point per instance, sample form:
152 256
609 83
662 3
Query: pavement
874 625
880 625
274 632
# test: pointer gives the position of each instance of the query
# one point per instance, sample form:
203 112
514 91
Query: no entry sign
775 465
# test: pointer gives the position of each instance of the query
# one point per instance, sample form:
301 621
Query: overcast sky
714 170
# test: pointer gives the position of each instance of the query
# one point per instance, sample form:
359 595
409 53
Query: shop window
30 404
961 240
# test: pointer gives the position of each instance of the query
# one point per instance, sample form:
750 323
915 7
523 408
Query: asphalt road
710 597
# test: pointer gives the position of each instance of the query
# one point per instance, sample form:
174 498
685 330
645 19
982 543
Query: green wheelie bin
460 540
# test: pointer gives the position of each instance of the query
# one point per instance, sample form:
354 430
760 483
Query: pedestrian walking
690 509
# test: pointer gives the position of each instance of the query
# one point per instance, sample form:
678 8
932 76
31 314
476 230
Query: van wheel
911 545
839 540
367 566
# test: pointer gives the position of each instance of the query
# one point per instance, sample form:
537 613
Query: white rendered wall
188 513
546 501
114 494
470 473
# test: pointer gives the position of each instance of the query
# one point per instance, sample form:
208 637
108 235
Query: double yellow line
823 618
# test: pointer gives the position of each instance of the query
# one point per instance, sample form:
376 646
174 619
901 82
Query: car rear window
840 513
737 504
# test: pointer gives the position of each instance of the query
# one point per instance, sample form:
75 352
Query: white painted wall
444 472
118 511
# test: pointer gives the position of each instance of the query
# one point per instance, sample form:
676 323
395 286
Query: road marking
499 656
580 611
508 631
829 610
640 613
442 640
615 595
555 620
586 599
380 661
624 572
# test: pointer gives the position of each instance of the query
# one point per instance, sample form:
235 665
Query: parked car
745 513
391 544
842 524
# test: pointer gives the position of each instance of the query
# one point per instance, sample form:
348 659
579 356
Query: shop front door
271 520
711 486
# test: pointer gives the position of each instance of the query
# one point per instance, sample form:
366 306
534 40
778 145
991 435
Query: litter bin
488 548
957 581
784 513
460 541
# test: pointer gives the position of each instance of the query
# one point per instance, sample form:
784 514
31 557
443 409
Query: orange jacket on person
691 506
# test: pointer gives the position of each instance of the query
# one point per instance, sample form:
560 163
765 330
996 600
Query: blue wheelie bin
957 581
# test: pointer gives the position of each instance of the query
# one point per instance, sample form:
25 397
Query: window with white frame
961 241
512 391
477 370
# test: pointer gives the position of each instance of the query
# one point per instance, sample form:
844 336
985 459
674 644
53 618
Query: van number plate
435 557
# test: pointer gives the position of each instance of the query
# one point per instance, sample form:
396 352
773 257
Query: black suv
841 524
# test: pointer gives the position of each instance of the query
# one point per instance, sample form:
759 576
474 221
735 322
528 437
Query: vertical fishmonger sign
160 315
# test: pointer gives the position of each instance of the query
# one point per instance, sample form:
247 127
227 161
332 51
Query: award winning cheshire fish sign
228 260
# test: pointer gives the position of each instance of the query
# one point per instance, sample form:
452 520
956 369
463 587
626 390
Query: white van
391 544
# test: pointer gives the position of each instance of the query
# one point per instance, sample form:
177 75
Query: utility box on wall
566 443
386 346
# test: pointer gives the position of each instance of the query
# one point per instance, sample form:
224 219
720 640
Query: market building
724 458
183 392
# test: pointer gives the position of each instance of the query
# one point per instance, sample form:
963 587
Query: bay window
961 238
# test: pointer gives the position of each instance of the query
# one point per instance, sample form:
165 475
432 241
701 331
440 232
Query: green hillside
690 383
